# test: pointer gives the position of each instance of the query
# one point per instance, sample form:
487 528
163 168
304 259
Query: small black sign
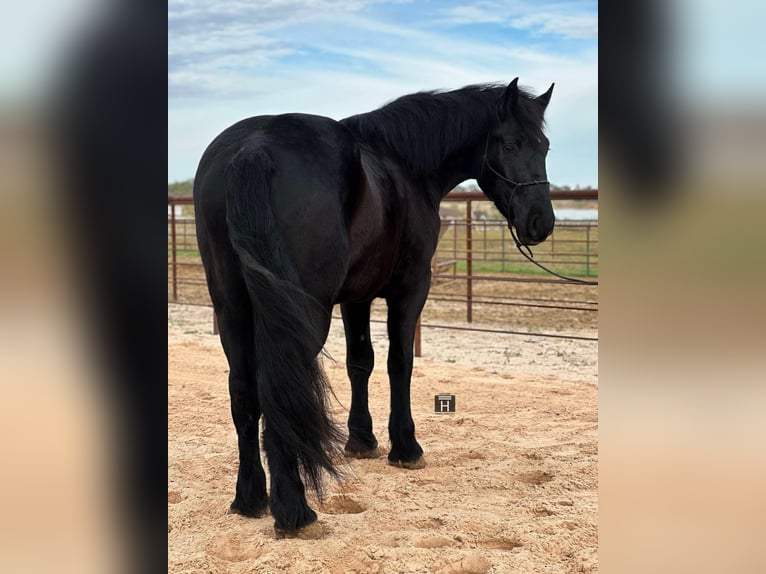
444 403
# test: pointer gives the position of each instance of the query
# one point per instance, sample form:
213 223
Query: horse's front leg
360 361
404 307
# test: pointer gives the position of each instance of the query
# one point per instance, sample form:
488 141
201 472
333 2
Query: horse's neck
461 148
458 167
462 162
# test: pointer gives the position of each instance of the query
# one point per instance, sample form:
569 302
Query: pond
576 214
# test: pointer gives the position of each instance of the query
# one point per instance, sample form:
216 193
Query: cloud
574 26
479 13
225 64
234 61
216 48
569 20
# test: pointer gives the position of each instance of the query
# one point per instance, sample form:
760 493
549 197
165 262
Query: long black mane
452 119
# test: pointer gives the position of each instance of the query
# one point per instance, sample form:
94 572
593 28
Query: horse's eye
508 146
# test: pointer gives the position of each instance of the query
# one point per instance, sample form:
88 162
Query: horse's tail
292 388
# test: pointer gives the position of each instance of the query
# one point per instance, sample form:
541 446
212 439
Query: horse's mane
426 127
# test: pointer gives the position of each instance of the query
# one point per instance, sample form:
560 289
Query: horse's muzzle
537 229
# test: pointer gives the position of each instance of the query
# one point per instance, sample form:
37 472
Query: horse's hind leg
293 517
235 327
360 361
235 323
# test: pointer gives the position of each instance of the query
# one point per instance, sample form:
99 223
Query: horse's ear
511 96
543 99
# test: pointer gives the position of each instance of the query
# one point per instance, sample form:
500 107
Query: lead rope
543 267
519 244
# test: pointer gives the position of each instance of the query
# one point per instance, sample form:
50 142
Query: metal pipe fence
476 263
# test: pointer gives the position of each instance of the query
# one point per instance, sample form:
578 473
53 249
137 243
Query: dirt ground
510 483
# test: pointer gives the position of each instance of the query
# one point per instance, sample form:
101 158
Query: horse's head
513 165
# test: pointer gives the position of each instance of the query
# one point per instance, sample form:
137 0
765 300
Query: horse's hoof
236 508
313 531
416 464
371 453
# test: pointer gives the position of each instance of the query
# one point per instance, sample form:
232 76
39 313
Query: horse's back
313 168
310 153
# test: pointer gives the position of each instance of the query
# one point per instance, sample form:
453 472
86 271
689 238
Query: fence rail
474 258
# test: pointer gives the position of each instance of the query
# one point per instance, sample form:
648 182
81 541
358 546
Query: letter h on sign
444 403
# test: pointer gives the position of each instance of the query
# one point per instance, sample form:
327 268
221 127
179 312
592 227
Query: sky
228 60
231 60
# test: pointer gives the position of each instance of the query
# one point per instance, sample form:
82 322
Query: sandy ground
510 486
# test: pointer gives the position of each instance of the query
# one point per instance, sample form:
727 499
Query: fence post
454 247
468 262
215 323
417 338
553 244
502 247
587 249
173 248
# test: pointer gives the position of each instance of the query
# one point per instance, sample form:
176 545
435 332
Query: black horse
296 213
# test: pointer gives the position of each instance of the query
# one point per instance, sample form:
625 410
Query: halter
516 185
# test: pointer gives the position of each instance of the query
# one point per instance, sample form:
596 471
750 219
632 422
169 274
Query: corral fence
475 265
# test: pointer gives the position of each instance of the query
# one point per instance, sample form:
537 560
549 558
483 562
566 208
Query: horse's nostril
539 227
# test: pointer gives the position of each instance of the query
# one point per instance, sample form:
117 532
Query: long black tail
292 388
